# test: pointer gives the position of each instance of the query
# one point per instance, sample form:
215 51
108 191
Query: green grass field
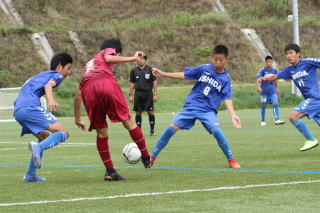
268 155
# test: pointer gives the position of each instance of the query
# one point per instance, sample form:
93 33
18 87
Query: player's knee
293 117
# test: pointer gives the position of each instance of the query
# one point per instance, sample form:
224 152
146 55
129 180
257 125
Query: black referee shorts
143 101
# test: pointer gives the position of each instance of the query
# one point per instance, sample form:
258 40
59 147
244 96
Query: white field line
160 193
64 144
60 146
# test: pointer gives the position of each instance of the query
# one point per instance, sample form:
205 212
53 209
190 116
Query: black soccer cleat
152 133
113 177
146 162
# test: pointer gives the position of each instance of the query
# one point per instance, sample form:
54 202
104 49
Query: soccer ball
131 153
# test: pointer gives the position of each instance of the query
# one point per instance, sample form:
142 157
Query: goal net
7 97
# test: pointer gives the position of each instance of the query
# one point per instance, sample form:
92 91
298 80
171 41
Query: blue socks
32 170
263 113
302 127
276 111
222 142
163 140
53 140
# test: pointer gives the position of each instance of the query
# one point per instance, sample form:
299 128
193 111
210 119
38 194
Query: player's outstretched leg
138 137
225 147
263 114
304 130
162 142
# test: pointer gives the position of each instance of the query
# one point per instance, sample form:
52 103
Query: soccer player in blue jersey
269 91
213 85
303 72
35 119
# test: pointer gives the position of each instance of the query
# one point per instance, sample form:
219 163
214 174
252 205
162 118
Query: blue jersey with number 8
305 76
210 89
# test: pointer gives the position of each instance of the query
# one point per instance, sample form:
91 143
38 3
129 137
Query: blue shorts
310 107
269 99
34 119
186 118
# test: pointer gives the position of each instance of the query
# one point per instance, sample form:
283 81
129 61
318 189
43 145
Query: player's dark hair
269 57
112 43
221 49
292 46
61 58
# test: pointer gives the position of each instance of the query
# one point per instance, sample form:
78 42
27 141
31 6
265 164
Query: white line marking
159 193
11 149
65 144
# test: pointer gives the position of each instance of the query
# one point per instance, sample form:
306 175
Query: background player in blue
35 119
303 72
269 91
213 85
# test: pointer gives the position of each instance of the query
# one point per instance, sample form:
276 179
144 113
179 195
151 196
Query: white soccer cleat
309 145
279 122
263 123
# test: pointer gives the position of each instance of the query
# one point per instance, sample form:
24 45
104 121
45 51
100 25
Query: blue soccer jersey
268 87
210 88
33 89
305 76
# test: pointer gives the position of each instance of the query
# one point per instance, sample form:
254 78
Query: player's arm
154 90
52 105
258 85
77 111
114 59
131 87
235 119
270 78
158 73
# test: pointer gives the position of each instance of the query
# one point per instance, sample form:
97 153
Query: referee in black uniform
144 84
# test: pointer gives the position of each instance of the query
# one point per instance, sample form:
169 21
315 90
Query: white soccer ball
131 153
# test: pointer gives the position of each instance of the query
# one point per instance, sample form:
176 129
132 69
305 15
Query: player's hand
81 125
154 98
131 98
259 90
52 105
236 121
156 72
139 54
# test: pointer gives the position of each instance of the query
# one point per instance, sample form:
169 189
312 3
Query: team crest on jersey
147 76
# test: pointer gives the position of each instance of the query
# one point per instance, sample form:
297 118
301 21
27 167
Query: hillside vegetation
174 34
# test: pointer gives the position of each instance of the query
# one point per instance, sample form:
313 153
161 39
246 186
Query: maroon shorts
103 97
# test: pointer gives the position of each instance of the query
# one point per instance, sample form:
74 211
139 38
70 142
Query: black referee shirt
142 79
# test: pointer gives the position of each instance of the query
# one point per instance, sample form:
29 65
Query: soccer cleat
153 159
152 133
279 122
234 164
28 178
146 162
263 123
34 147
309 145
113 177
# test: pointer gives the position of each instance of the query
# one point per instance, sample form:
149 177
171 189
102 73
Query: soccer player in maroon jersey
102 95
